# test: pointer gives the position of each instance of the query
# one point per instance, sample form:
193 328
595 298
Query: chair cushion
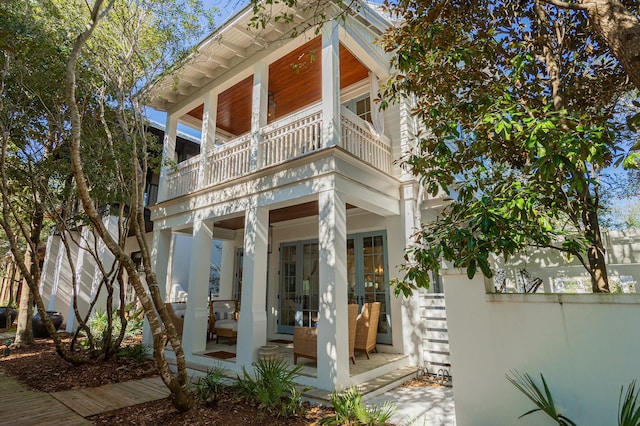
228 324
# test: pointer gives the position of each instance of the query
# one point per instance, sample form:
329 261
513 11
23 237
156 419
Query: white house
297 181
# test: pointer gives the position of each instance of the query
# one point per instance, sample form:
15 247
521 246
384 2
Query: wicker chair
305 343
353 317
305 339
178 322
223 319
367 328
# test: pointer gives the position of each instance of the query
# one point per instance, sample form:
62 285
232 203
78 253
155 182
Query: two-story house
298 183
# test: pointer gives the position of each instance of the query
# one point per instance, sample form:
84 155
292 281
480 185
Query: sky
225 10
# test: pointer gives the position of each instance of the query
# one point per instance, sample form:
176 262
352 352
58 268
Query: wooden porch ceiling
295 80
278 215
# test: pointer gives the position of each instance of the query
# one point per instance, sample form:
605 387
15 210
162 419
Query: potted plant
39 327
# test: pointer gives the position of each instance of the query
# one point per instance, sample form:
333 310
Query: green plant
351 410
98 322
207 388
629 408
543 400
273 386
137 353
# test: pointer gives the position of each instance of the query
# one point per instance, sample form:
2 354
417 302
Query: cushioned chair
305 339
223 319
367 328
353 317
176 313
305 343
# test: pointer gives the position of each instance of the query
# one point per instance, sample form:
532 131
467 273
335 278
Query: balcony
283 140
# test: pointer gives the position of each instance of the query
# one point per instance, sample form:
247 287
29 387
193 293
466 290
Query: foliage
273 386
137 352
629 406
351 410
542 400
98 326
517 105
208 387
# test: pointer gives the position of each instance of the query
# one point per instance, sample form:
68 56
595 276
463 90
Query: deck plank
90 401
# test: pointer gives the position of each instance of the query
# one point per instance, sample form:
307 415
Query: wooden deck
20 406
90 401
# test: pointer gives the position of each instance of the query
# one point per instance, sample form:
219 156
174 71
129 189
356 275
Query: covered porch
297 259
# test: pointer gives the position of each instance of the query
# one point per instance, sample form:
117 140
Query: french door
299 285
367 276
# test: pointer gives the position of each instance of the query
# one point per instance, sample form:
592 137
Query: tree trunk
596 254
620 29
24 333
155 310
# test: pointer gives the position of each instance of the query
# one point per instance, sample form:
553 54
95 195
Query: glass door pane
310 291
288 294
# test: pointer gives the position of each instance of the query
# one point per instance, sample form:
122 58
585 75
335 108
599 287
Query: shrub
98 321
137 353
350 410
273 386
208 388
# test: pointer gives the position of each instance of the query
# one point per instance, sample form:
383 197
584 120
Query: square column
259 110
252 324
160 264
330 85
194 334
410 319
333 335
208 139
227 273
168 154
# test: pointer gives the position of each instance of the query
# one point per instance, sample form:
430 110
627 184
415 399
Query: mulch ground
39 367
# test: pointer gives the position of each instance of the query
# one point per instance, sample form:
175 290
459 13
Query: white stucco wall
586 346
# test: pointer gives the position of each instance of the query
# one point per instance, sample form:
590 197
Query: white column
259 110
333 335
227 273
168 154
56 275
79 266
208 139
160 264
330 85
194 336
252 324
410 321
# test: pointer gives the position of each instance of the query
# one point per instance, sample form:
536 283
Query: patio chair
176 319
223 319
367 328
305 343
305 339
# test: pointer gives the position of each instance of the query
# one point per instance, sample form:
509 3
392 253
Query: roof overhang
235 42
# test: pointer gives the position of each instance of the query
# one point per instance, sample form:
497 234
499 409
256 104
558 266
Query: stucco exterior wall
585 345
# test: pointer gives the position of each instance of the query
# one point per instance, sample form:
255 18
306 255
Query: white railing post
168 155
330 85
208 139
259 110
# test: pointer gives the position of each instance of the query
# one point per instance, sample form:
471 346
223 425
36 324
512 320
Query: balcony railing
184 179
282 141
359 138
292 136
229 161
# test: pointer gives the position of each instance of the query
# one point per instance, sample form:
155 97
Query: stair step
369 389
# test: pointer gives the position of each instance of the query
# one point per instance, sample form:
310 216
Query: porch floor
226 351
